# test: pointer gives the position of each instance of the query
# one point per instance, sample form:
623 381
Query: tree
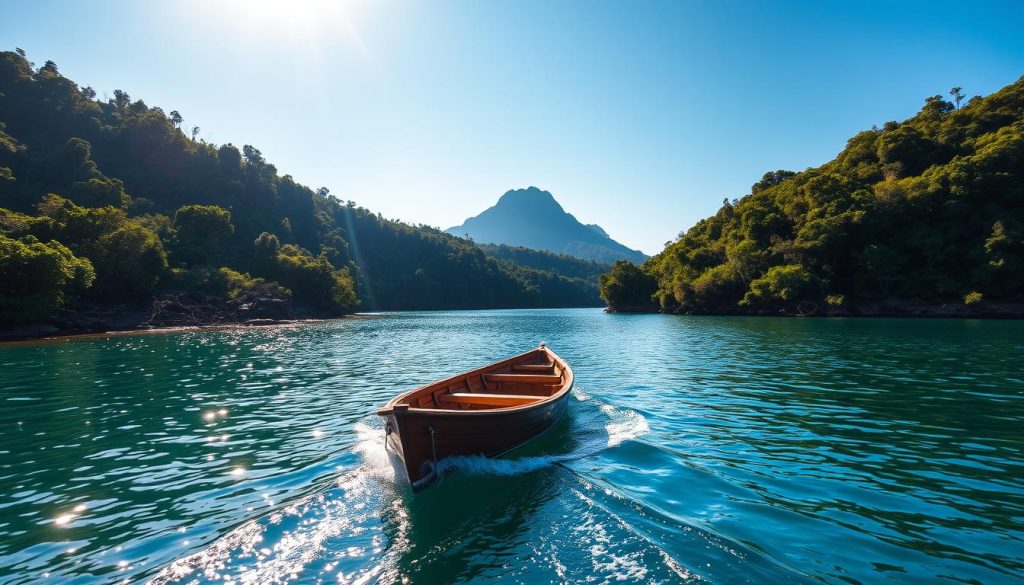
627 287
267 245
907 147
715 288
98 192
958 95
230 159
176 118
128 258
314 281
771 179
1004 249
121 100
785 285
75 162
78 226
195 132
129 261
38 278
253 157
935 107
199 231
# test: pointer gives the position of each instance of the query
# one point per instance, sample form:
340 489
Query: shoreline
864 310
44 332
50 332
131 322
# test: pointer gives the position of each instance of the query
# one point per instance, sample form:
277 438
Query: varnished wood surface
491 399
524 378
546 368
486 411
498 378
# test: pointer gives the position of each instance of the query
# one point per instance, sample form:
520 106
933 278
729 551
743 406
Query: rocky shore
261 305
952 310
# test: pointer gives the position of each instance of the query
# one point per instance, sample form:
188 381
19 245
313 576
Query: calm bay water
723 450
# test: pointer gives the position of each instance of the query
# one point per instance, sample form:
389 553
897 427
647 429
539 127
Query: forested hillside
563 264
925 211
109 203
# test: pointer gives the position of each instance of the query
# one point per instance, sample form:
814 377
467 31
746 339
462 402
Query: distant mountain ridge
563 264
533 219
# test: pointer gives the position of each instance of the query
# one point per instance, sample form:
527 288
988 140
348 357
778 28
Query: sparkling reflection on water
727 450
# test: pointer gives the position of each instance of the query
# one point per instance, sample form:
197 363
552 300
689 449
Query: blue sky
638 116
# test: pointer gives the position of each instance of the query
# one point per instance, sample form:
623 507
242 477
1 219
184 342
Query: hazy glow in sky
639 117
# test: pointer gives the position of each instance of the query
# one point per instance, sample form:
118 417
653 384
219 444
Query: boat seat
533 368
524 378
489 399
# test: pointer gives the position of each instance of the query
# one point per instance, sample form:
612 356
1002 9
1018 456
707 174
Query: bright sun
295 13
305 24
293 18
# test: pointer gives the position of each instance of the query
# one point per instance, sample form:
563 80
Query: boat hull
421 438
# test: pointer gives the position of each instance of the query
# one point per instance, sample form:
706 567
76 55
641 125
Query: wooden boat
487 411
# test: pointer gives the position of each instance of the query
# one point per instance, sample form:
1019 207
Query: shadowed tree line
110 202
929 210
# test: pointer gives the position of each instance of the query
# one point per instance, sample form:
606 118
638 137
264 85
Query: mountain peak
530 196
532 218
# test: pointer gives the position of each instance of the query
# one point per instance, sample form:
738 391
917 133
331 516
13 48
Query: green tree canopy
129 262
200 230
928 210
117 181
38 278
313 280
627 287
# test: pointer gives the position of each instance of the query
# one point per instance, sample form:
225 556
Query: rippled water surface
696 449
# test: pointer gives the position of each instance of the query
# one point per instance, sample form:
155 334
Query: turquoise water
696 449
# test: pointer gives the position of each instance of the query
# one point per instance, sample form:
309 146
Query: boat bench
524 378
490 399
546 368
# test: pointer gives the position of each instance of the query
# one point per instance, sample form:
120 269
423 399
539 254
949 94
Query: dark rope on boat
430 465
433 443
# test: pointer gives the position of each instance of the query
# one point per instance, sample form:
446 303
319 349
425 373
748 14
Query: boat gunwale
389 408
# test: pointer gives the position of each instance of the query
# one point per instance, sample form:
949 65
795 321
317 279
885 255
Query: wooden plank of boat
492 399
486 411
524 378
546 368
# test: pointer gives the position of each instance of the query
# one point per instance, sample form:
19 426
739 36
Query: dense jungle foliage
111 202
929 210
564 264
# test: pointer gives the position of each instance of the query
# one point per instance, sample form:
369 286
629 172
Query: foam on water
867 450
607 533
290 541
296 539
596 427
367 527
